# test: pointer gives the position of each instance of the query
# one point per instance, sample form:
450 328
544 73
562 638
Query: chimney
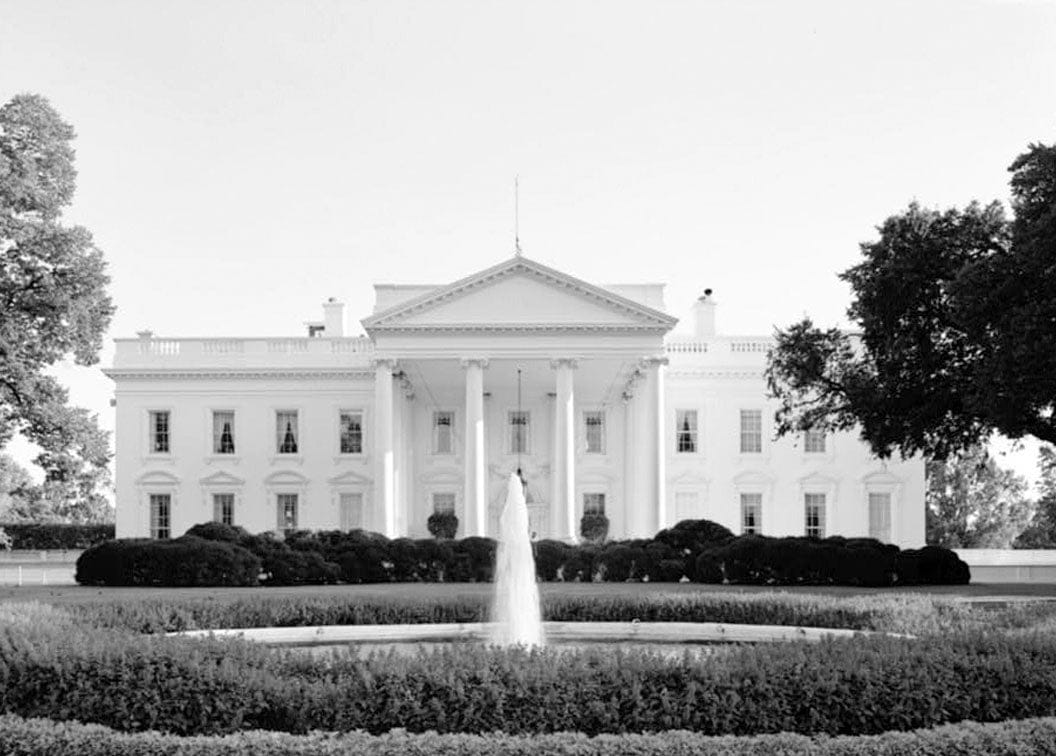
334 318
704 316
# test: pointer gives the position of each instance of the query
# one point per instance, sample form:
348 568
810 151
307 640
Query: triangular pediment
519 294
222 478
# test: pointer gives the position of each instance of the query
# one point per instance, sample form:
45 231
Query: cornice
244 374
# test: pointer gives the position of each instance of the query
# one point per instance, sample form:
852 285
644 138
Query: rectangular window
686 426
159 432
594 503
594 432
443 427
814 441
351 432
160 515
444 502
880 516
351 511
751 513
751 431
224 432
519 425
287 506
814 511
286 432
224 508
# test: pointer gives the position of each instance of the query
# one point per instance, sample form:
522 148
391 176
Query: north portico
584 388
512 353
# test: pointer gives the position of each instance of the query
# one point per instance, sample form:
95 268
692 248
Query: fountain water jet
515 611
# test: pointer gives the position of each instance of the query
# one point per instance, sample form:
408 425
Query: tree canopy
973 503
53 300
956 339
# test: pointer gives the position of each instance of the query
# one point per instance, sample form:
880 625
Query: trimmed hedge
42 737
56 536
763 560
182 561
697 550
842 686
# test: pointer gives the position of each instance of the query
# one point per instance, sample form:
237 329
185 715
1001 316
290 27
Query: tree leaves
53 302
957 318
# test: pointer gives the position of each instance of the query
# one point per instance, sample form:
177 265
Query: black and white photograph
391 377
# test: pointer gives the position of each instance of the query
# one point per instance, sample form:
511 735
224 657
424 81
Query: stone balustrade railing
148 351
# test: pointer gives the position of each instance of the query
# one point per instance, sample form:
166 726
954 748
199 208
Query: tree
14 484
1041 533
53 299
973 503
956 313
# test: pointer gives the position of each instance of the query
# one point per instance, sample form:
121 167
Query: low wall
1010 565
38 567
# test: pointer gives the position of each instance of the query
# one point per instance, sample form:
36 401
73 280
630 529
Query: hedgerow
698 550
851 686
41 737
55 536
905 613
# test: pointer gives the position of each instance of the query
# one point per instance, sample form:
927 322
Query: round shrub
443 524
550 556
594 527
218 531
690 536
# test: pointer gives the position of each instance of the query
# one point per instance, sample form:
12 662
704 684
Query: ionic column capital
382 362
654 361
559 362
468 362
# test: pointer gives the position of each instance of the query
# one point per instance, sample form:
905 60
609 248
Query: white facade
613 413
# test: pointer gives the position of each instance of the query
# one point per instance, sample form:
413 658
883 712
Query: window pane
814 442
814 512
159 432
880 516
351 432
519 423
444 502
751 431
443 423
351 511
751 513
287 506
286 432
686 430
593 503
160 513
595 432
223 433
224 508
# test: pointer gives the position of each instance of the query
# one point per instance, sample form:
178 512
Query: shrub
549 558
185 561
690 536
443 524
5 540
762 560
218 531
43 737
846 686
594 527
55 536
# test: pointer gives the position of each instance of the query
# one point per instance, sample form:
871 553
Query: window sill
213 459
155 458
345 458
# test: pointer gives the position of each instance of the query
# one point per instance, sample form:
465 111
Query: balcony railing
147 351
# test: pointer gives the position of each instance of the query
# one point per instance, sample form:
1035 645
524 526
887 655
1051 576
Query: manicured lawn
411 591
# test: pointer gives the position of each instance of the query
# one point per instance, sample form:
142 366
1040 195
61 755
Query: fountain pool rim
587 632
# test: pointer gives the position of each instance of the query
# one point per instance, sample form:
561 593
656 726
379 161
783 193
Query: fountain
515 613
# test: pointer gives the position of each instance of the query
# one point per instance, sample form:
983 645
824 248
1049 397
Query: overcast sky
242 161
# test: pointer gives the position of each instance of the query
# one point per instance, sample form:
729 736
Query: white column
474 512
654 444
564 505
630 493
384 520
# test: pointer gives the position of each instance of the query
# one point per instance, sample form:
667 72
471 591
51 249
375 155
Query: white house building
454 387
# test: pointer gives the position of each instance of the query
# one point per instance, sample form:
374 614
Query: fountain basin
554 632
